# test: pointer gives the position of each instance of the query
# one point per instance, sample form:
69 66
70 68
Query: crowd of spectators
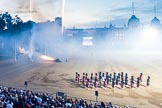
18 98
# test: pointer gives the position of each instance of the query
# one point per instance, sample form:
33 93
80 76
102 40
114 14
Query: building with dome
133 22
155 22
115 35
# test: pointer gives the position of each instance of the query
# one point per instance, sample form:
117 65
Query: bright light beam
149 35
149 39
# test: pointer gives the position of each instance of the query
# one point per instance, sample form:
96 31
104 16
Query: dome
155 21
111 26
133 21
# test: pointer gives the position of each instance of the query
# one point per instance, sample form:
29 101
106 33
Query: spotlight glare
149 35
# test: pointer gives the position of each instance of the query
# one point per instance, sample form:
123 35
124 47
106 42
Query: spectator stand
65 97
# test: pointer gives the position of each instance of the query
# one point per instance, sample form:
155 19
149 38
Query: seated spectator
110 105
68 103
16 98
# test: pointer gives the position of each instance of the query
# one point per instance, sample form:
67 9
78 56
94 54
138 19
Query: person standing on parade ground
113 83
83 75
138 82
107 78
119 76
83 79
96 79
76 76
104 82
99 76
26 85
87 83
100 79
132 81
107 74
122 82
86 76
114 76
117 79
122 75
148 81
103 79
141 77
110 77
91 78
126 79
103 76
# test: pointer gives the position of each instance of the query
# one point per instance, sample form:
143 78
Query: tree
8 20
16 25
2 24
